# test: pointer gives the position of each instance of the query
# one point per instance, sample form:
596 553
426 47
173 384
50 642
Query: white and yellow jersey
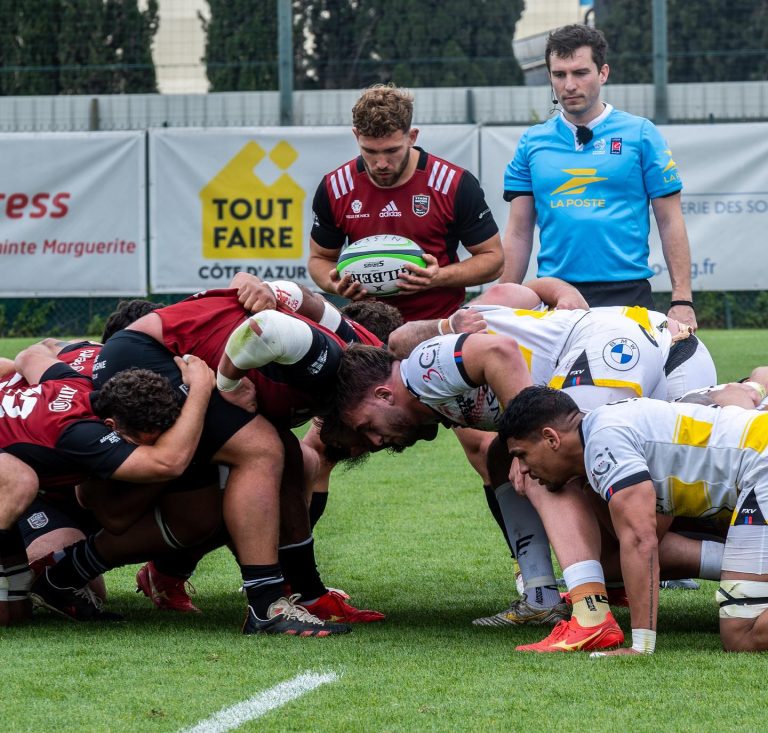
699 458
619 348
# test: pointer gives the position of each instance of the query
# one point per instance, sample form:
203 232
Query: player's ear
109 422
413 133
602 74
552 437
382 392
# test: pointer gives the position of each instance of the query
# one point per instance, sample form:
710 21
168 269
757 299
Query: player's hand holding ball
419 278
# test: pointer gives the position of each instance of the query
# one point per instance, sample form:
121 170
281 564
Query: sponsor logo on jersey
390 210
580 179
98 365
37 520
615 146
421 204
316 366
63 401
357 206
112 437
621 354
598 147
82 358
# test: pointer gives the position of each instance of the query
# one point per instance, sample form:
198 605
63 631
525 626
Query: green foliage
241 45
343 44
77 47
32 318
709 40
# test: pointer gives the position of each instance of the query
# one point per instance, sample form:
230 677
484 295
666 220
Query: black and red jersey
292 393
51 426
440 206
80 356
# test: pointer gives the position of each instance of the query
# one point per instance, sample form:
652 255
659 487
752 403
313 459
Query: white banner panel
235 199
72 214
724 169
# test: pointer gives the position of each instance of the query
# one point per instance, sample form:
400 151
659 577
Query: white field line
258 705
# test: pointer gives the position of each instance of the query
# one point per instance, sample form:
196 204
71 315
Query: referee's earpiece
554 98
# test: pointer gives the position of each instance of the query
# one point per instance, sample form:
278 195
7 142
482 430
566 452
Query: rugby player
651 461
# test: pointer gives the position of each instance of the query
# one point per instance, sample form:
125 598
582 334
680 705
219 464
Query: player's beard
392 178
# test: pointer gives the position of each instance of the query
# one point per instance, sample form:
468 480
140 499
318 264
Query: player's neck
584 118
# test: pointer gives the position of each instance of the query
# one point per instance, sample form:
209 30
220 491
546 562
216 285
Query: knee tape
283 339
742 598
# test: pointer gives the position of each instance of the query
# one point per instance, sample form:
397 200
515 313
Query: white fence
732 101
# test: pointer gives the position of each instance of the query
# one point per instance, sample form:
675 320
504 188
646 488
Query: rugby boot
523 613
333 606
285 616
75 604
571 636
165 591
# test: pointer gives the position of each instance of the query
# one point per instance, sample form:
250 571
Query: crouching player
651 461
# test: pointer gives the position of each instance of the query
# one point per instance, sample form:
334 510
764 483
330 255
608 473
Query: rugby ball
377 262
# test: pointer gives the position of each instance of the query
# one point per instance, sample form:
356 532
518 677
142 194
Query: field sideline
411 536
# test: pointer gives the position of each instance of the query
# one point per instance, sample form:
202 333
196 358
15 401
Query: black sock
263 586
493 505
177 564
317 507
81 563
13 554
300 569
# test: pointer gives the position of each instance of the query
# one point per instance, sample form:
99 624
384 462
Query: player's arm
7 367
633 514
485 264
518 238
170 455
677 254
405 338
557 293
495 361
33 361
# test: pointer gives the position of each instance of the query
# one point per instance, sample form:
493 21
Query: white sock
529 539
711 559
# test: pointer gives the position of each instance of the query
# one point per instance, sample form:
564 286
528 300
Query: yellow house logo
581 178
244 218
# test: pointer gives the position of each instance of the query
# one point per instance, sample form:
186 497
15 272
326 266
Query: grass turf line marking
258 705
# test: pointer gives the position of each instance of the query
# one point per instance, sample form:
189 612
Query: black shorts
127 349
55 510
626 293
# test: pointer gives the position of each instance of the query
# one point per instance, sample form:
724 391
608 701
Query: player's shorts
746 545
127 349
52 511
689 366
624 293
614 354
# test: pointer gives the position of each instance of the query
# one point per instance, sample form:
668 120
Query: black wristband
673 303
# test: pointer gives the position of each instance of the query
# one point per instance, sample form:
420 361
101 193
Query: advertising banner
724 200
72 214
229 200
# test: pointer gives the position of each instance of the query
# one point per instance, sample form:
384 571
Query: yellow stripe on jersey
689 500
557 383
755 435
524 350
634 386
639 315
689 431
533 314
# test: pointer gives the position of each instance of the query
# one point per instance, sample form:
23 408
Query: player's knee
743 618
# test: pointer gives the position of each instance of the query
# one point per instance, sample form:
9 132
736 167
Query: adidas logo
390 210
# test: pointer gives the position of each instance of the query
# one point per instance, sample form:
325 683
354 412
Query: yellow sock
590 604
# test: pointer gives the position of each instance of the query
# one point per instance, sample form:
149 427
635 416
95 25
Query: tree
241 45
426 43
77 47
342 44
710 40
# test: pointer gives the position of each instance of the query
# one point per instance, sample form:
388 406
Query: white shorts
696 372
615 357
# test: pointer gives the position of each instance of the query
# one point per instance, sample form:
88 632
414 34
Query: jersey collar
592 124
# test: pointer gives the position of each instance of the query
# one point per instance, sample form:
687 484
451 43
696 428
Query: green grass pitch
409 535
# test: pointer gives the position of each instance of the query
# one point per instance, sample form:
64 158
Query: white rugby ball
377 262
